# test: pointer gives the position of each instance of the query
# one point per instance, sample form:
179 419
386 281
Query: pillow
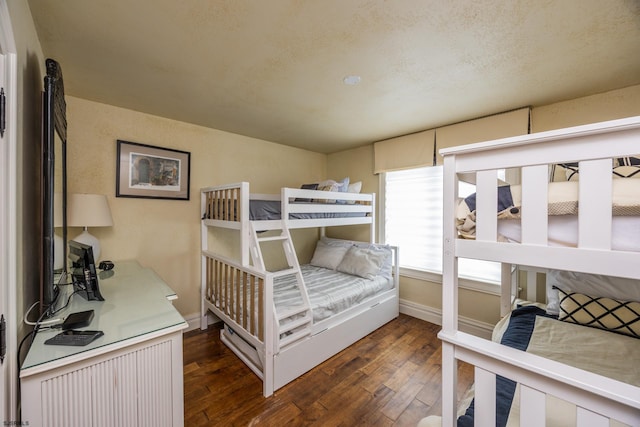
387 266
361 262
356 187
570 170
596 285
623 167
622 317
331 185
338 242
386 270
306 187
327 255
627 167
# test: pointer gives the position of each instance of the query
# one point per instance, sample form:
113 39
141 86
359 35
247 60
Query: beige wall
165 234
357 165
477 305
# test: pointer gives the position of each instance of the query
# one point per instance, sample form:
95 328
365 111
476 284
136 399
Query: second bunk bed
282 322
572 359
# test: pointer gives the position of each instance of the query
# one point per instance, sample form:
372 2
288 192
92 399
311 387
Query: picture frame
147 171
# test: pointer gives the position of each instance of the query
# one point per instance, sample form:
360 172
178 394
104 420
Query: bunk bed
579 366
283 322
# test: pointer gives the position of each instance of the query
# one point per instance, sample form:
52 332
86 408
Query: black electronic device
74 337
78 320
105 265
53 190
83 271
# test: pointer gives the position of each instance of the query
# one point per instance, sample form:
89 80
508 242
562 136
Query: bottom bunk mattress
330 292
530 329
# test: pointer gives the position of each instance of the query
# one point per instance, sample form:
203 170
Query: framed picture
152 172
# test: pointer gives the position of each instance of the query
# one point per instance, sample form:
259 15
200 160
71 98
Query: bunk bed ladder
295 323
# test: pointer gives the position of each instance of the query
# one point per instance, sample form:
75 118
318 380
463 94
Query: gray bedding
260 210
330 292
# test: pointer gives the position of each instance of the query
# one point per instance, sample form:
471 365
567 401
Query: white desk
131 376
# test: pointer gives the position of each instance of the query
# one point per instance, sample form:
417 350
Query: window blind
413 221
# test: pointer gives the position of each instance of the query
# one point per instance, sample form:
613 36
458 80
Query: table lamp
88 210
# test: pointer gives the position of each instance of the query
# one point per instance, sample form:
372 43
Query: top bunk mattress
562 210
563 231
262 210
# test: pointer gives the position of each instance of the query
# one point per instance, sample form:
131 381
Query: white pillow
338 242
331 185
356 187
387 266
595 285
362 262
328 256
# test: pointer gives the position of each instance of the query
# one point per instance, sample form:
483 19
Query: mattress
260 210
330 292
563 231
530 329
562 201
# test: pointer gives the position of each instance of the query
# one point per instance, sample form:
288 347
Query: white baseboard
434 315
193 320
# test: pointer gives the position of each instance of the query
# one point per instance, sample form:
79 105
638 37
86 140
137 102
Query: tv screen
83 271
53 189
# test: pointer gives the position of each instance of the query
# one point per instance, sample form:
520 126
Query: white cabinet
130 377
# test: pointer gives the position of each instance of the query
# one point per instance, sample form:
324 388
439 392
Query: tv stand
130 376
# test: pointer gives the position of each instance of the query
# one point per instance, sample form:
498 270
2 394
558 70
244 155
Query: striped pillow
622 317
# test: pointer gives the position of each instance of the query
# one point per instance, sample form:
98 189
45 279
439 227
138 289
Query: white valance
404 152
503 125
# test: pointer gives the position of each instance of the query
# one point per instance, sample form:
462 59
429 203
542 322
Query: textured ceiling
274 69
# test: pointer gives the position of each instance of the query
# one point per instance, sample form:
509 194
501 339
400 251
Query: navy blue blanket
517 335
505 200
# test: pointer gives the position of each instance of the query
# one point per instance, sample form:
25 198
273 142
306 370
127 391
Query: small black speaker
105 265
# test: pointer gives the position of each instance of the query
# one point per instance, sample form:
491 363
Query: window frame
492 288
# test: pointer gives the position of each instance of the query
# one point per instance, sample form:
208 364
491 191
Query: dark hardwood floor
389 378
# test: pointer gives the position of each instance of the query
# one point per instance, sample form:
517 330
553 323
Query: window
413 221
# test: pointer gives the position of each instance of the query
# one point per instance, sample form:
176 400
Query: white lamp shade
88 210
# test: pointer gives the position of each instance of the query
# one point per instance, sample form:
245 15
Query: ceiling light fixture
352 80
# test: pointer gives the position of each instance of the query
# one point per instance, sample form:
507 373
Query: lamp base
89 239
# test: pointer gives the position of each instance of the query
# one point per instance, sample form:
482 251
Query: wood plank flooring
389 378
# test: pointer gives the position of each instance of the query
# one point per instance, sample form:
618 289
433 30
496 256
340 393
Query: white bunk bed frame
277 359
598 398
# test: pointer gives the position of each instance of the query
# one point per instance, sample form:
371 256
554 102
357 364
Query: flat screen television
83 271
53 189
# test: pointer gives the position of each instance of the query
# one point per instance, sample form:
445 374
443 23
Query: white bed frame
598 398
256 339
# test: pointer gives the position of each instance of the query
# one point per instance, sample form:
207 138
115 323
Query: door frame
8 218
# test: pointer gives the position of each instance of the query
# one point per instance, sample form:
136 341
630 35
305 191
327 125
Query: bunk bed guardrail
598 398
